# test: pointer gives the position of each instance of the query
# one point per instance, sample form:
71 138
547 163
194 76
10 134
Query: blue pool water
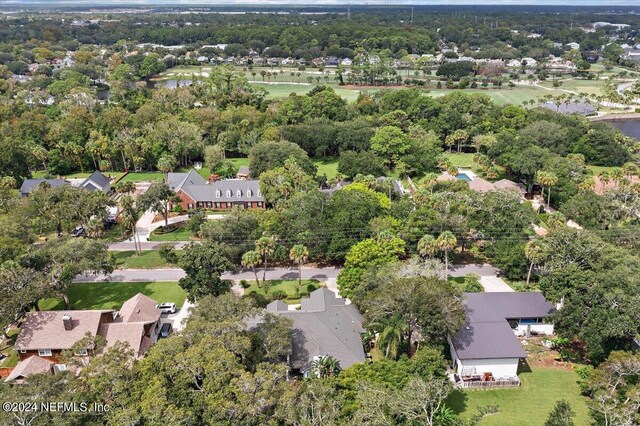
463 177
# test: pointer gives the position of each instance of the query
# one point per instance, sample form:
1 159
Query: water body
628 127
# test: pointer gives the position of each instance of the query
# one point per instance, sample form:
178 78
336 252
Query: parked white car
167 308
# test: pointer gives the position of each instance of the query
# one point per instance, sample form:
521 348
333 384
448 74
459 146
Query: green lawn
143 177
111 295
529 404
327 166
596 170
290 287
180 234
149 259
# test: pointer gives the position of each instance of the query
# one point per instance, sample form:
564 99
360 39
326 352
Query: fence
490 384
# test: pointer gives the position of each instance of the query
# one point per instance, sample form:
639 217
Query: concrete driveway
494 284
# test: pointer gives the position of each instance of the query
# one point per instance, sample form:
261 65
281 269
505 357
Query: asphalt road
127 275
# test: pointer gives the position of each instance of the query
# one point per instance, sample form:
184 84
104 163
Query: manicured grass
149 259
180 234
143 177
290 287
596 170
504 95
529 404
111 295
327 166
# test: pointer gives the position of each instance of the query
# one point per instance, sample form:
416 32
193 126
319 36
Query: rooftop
45 329
324 325
486 333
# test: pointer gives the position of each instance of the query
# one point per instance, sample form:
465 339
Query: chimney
67 321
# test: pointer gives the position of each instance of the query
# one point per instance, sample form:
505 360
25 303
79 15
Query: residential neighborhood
331 214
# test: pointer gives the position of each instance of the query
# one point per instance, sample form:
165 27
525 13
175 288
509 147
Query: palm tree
550 179
446 242
326 366
427 246
265 246
605 178
95 228
391 332
129 217
250 260
535 252
166 164
127 187
617 175
299 254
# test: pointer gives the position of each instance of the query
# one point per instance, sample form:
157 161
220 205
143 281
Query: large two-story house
45 335
196 193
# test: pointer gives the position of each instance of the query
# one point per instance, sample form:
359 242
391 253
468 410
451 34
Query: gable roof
30 185
126 332
45 329
324 325
481 185
244 171
509 184
32 365
179 180
139 308
486 333
98 180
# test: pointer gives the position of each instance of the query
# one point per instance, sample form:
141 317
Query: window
249 193
22 351
44 352
81 352
527 321
218 193
58 368
190 206
228 193
239 193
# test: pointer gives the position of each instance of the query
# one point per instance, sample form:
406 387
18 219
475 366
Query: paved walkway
178 319
488 276
494 284
145 225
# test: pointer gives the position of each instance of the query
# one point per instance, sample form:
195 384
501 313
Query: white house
574 45
486 350
347 62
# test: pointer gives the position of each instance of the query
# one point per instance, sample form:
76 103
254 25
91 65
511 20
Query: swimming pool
463 176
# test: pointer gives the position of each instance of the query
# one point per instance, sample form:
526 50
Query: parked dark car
78 232
165 331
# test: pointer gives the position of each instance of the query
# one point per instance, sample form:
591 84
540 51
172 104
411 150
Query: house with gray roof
30 185
325 325
486 349
97 182
197 193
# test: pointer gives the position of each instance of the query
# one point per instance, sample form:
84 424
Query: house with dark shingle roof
97 182
486 348
30 185
196 193
325 325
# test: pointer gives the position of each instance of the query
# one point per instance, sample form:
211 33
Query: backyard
541 389
111 295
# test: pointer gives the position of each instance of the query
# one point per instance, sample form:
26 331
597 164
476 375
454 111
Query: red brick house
196 193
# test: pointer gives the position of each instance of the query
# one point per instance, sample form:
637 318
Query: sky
327 2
